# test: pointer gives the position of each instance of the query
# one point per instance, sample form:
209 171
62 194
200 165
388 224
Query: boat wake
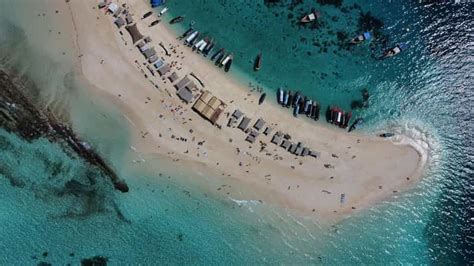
421 136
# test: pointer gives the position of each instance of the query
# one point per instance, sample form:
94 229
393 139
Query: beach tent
152 60
164 69
134 33
185 95
259 124
173 77
113 7
158 63
237 114
244 124
149 52
182 83
119 22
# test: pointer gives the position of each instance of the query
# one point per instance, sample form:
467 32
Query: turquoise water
426 93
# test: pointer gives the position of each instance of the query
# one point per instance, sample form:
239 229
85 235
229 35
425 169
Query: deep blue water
426 92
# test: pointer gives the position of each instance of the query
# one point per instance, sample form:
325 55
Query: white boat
226 59
198 44
191 37
280 96
163 11
310 17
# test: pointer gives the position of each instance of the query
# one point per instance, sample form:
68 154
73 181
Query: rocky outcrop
20 115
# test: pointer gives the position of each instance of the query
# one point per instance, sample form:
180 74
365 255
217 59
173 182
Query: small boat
357 122
334 111
262 98
228 64
199 44
225 60
296 99
220 58
339 117
194 40
307 106
302 103
296 110
258 62
287 98
208 48
218 53
361 38
147 14
329 114
162 12
386 135
290 99
347 119
186 33
394 51
280 96
310 17
316 114
177 19
154 23
191 37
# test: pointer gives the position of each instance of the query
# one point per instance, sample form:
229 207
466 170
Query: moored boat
287 98
296 110
262 98
186 33
147 14
191 38
258 62
162 12
228 64
314 15
199 44
154 23
356 123
219 59
218 53
394 51
361 38
347 119
297 98
208 48
225 60
290 99
280 96
177 19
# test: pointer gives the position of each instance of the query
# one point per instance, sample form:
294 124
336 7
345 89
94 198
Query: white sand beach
365 169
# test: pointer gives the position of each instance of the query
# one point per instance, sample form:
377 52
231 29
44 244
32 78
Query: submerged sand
366 169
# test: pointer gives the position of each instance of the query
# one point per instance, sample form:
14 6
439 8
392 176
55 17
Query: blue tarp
155 3
367 35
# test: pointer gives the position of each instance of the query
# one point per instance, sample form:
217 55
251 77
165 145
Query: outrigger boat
154 23
290 99
394 51
262 98
357 122
162 12
220 58
228 64
258 62
225 60
177 19
280 96
347 118
218 53
191 38
208 48
287 98
147 14
310 17
186 33
361 38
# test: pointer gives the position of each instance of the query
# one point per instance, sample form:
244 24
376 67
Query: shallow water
425 92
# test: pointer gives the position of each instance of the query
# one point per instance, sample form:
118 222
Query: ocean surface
425 93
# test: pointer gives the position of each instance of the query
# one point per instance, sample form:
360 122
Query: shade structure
134 32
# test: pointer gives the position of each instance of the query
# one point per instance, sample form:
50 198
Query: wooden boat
147 14
280 96
186 33
199 44
226 59
297 98
154 23
296 110
262 98
162 12
386 135
310 17
218 53
329 114
316 114
220 58
258 62
208 48
357 122
361 38
287 98
228 64
177 19
191 38
347 119
290 99
394 51
302 104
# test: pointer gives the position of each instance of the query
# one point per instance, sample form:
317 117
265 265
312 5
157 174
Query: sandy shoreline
364 168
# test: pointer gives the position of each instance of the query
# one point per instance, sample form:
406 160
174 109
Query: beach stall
185 95
182 83
208 106
120 22
244 124
164 69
